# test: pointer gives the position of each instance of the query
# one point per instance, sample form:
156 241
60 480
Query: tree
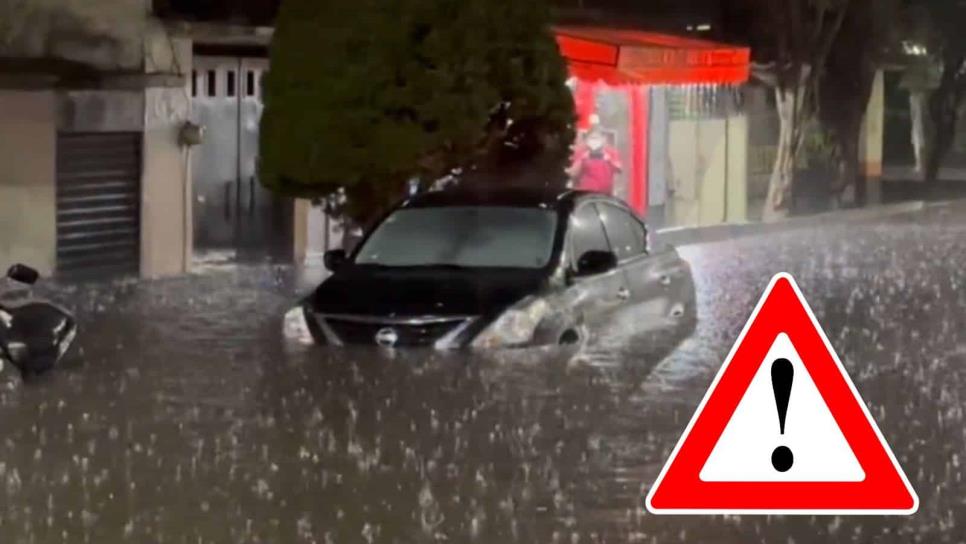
365 95
846 85
940 36
791 41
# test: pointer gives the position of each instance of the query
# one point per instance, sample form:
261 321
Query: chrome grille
415 332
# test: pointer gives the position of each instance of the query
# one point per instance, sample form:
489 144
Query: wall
872 140
317 242
166 178
28 220
707 171
763 128
100 111
711 145
311 241
112 36
683 173
657 179
737 200
302 234
164 185
106 34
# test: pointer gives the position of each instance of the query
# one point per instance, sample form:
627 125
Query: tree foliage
364 95
791 41
868 30
938 28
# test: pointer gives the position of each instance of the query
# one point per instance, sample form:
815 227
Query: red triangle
679 489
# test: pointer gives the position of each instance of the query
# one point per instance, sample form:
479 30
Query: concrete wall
166 232
112 36
100 111
31 121
28 220
707 171
763 127
736 207
872 140
711 145
317 241
657 160
301 234
311 240
107 34
165 186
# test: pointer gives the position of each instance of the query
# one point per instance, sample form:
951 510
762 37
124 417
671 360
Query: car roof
517 197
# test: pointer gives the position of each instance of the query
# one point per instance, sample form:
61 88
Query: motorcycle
34 333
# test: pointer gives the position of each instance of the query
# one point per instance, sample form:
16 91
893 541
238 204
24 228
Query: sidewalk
682 236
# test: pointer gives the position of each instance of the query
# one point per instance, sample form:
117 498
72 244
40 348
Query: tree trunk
790 105
944 119
944 110
845 127
844 98
847 190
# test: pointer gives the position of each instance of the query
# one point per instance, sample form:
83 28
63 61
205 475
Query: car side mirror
335 259
593 263
23 274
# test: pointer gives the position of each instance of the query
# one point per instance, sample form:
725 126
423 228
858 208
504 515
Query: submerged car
497 269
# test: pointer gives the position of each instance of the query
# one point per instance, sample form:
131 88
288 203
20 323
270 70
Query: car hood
410 293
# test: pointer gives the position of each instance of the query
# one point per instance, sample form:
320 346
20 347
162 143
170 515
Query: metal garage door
98 203
234 216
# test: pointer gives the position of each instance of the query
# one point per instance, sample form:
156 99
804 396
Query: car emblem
387 337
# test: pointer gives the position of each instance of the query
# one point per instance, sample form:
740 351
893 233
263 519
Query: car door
596 298
654 279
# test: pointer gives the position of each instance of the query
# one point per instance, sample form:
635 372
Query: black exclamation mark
782 374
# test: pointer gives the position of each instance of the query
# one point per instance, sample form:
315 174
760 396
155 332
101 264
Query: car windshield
463 236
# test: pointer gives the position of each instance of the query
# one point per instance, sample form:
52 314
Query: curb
683 236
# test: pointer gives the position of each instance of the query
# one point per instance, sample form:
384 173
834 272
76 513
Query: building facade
129 136
98 102
672 111
91 104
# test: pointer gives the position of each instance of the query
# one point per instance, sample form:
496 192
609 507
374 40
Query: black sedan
498 269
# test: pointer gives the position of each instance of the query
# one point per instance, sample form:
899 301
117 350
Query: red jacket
596 173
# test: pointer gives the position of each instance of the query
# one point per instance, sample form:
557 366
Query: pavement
680 236
183 417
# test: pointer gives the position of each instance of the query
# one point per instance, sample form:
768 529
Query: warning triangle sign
782 429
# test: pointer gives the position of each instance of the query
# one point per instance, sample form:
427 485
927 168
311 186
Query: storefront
660 122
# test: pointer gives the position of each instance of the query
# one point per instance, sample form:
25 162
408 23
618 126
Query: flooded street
182 416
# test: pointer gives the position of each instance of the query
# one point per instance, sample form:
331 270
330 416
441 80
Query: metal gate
234 216
98 203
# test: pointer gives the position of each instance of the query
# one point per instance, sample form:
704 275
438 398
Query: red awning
619 57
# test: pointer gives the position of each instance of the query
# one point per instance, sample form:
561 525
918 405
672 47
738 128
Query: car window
464 236
626 234
587 232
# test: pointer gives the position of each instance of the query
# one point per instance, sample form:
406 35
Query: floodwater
182 416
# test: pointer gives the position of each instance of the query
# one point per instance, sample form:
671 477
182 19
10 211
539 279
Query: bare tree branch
828 40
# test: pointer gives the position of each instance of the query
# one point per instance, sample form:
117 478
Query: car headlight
515 327
296 328
18 352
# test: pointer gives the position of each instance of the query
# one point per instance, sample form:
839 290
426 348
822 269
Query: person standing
596 164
